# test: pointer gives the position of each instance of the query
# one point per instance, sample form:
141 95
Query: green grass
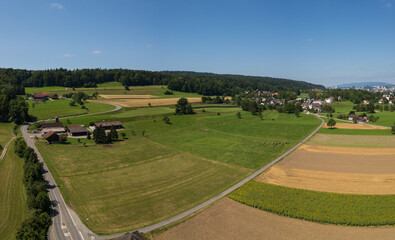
133 183
342 107
114 88
333 208
143 180
109 84
61 108
13 207
341 140
386 119
5 133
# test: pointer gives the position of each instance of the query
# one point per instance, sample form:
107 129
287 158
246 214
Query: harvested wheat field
355 126
351 183
228 219
347 150
126 96
336 169
145 102
365 141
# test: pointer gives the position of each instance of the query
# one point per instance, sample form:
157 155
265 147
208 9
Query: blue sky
321 41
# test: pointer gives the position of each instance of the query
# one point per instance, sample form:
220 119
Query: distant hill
364 84
231 83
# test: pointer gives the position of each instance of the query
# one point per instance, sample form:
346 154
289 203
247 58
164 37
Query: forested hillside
216 84
203 83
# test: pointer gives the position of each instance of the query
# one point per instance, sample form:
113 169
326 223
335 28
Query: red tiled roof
41 94
48 134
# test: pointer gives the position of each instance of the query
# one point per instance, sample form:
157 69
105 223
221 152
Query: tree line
203 83
39 220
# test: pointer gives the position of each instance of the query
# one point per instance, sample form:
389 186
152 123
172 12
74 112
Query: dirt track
355 126
144 102
228 219
126 96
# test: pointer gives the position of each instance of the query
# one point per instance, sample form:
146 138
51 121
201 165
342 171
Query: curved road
66 223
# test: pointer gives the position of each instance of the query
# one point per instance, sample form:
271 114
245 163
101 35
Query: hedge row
39 220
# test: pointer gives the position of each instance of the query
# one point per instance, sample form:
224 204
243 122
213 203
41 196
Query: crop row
333 208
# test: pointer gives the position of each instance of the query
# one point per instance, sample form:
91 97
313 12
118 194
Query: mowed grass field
115 88
146 179
5 133
334 208
13 207
61 108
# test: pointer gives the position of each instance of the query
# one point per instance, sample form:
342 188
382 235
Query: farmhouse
51 137
56 127
54 96
40 96
76 130
108 125
359 118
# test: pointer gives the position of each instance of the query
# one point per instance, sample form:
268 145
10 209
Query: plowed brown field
228 219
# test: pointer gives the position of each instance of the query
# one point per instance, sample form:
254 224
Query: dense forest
203 83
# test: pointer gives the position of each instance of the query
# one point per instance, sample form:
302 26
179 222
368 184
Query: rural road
65 222
67 225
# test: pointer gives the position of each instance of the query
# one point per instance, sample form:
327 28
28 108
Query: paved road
65 223
5 149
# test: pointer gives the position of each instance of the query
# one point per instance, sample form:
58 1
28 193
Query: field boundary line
186 213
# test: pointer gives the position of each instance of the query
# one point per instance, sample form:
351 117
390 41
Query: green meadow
13 207
5 133
115 88
173 167
62 108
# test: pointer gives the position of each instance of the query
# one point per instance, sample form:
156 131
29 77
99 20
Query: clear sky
321 41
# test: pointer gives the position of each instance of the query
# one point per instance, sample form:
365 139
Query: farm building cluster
44 96
52 130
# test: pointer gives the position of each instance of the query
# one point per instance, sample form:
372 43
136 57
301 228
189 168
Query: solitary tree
166 120
331 123
99 135
297 112
113 134
123 135
183 107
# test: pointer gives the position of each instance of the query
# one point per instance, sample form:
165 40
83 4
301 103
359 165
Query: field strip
127 96
5 148
336 182
347 150
219 196
145 102
369 124
355 126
